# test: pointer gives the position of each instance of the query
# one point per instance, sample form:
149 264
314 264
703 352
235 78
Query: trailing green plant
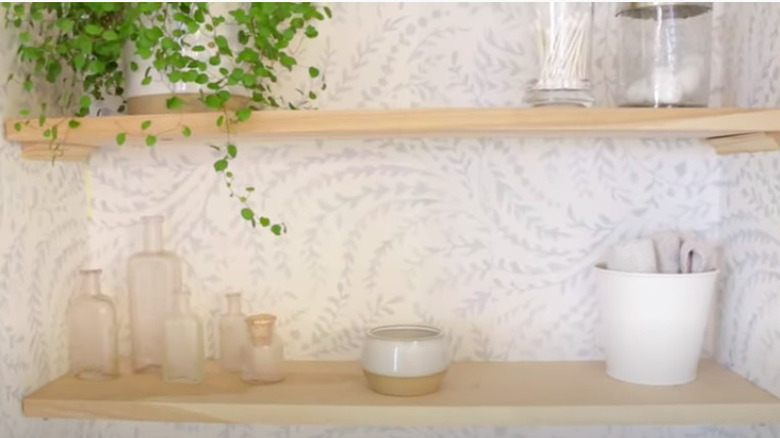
79 49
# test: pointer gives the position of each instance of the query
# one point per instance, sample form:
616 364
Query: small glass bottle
154 275
563 40
232 335
264 354
184 352
92 331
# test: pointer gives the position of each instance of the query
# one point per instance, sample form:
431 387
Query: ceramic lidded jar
405 360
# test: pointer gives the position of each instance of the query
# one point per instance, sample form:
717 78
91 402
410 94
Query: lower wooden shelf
474 393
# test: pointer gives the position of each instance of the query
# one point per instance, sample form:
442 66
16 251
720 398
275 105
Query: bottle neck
181 303
233 303
152 234
90 282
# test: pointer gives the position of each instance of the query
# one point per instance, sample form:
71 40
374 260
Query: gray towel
632 256
667 251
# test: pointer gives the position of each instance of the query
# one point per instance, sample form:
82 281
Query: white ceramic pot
151 98
654 324
405 360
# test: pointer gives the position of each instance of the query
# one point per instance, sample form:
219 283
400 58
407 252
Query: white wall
492 239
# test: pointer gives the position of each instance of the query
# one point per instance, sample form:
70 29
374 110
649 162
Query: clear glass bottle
184 356
563 39
232 335
92 331
154 275
664 54
264 354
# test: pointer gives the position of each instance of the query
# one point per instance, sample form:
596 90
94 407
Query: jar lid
650 10
261 327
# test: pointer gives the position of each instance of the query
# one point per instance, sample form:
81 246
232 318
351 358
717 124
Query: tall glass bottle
264 354
232 335
92 331
184 354
154 275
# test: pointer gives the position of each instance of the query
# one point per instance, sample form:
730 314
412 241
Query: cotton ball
638 92
691 73
667 88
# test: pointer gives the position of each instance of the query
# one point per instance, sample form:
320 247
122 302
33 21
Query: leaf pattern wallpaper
492 239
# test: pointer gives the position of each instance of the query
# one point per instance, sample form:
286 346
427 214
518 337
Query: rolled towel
667 251
632 256
696 256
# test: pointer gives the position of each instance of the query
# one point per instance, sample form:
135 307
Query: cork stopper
261 328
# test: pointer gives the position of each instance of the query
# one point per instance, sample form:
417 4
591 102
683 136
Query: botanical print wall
492 239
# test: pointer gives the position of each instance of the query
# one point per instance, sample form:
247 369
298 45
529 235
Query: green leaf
247 213
286 60
110 35
312 95
185 131
311 32
74 124
147 80
24 112
328 12
264 221
220 165
314 72
120 138
151 140
17 126
220 119
96 66
243 114
146 124
66 25
174 103
47 132
133 66
232 150
93 29
276 229
28 85
212 101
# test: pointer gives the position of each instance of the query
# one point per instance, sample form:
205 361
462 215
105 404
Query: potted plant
215 52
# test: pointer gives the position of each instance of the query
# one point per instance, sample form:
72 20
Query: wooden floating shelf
474 393
728 130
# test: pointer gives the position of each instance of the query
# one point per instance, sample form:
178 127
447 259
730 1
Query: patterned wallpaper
491 239
43 242
750 202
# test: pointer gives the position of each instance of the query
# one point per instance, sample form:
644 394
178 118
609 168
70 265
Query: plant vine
89 50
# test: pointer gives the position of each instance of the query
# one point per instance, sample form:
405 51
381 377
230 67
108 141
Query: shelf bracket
741 143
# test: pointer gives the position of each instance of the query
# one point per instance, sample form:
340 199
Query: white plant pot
151 98
654 324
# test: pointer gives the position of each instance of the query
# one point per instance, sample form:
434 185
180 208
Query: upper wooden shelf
729 130
474 393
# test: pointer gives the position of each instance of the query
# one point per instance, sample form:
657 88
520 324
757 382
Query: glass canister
664 55
563 42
